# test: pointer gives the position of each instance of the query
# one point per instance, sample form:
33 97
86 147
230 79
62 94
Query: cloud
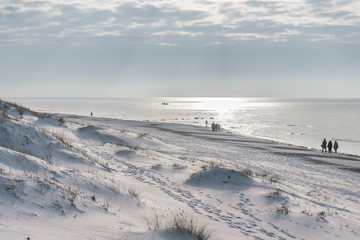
323 37
158 20
180 33
276 37
168 44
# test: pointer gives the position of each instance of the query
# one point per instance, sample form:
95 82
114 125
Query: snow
98 178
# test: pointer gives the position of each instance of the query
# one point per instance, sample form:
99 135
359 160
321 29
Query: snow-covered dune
73 177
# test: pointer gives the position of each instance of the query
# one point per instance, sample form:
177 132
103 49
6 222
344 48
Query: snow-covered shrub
211 165
248 172
93 197
156 166
274 178
283 209
307 212
61 120
181 223
276 193
21 111
185 224
176 165
134 193
63 139
4 113
155 222
321 216
57 205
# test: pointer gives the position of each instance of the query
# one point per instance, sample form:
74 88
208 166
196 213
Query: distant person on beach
323 146
206 122
330 145
91 114
215 127
336 146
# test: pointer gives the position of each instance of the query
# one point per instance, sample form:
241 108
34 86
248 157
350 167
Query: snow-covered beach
76 177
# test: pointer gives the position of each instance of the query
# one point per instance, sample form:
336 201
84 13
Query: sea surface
301 122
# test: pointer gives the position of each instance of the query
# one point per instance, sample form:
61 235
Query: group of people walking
329 146
214 126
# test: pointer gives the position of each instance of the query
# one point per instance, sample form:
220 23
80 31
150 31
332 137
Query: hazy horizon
254 98
267 48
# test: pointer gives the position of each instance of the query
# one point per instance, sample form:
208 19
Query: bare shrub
141 135
211 165
105 205
283 209
276 193
4 113
61 120
155 222
180 222
188 159
185 224
21 111
157 166
63 139
176 165
72 194
321 216
41 115
134 193
274 178
306 212
58 206
248 172
263 174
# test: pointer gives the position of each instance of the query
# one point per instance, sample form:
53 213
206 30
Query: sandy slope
92 178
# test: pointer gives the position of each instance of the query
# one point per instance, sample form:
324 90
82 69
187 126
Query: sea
300 122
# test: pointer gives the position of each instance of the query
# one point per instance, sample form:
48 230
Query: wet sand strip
303 153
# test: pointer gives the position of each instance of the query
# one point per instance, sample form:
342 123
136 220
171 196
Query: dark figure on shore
330 145
206 122
91 114
215 127
323 146
336 146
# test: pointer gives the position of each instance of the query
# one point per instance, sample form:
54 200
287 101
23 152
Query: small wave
348 140
294 125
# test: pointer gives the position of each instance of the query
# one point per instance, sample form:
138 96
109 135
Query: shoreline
280 148
250 139
298 135
224 130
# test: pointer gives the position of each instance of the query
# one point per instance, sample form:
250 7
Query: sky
209 48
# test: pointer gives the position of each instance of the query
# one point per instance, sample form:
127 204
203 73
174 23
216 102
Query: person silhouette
336 146
330 145
323 146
